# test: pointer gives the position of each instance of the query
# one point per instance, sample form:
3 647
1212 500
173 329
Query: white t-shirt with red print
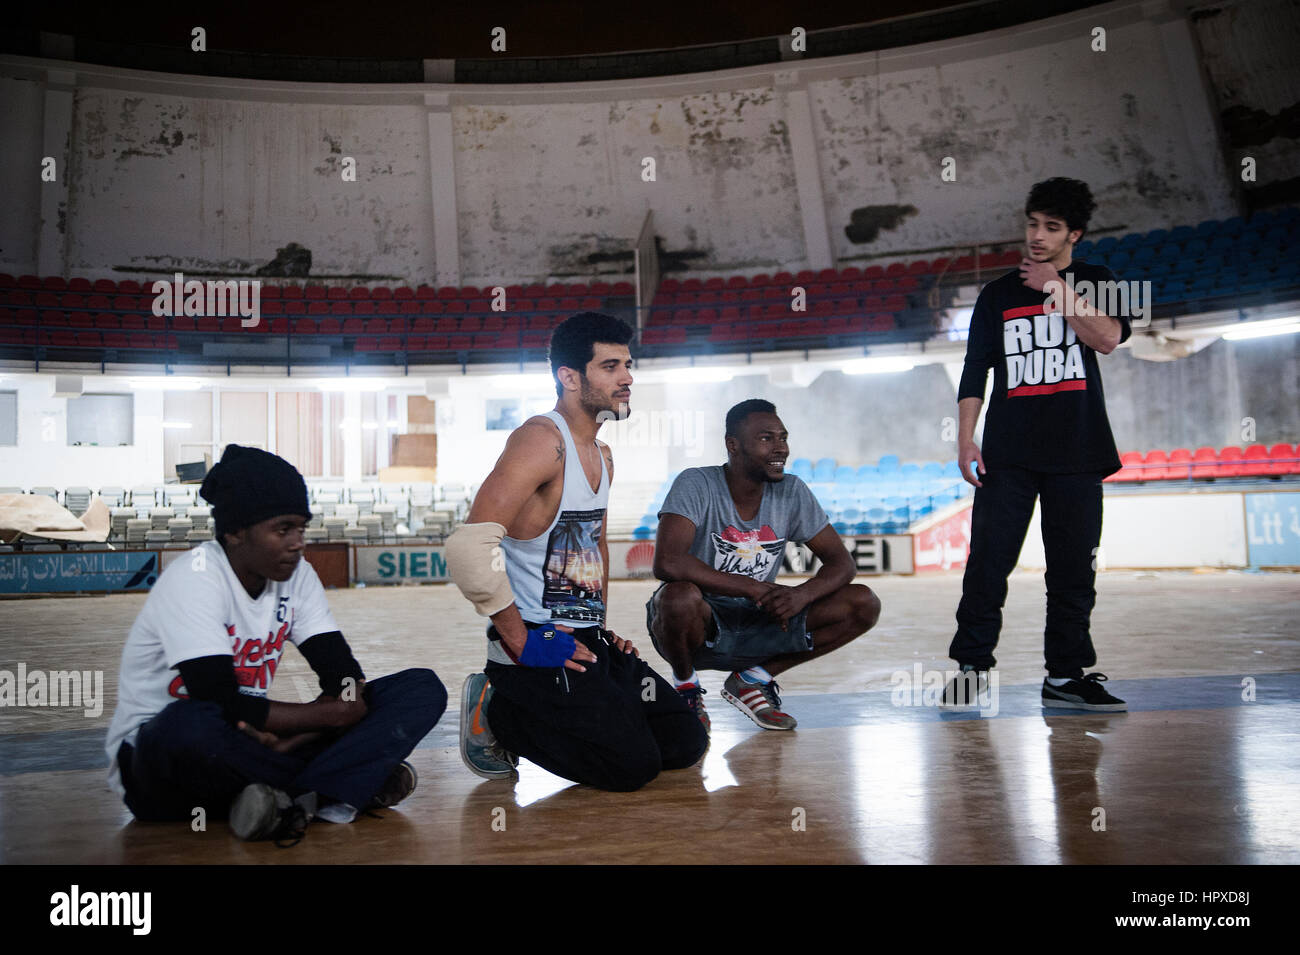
198 608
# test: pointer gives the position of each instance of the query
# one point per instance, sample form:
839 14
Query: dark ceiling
398 29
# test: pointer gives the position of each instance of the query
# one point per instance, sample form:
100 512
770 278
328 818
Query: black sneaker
400 784
263 812
1085 694
963 690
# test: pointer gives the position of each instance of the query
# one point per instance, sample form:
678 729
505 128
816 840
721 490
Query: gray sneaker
478 747
263 812
761 702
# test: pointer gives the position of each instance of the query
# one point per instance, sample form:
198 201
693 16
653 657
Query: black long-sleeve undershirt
212 678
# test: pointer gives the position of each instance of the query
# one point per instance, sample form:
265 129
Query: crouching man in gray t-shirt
722 535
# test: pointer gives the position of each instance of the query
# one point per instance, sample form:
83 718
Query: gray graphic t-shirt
789 511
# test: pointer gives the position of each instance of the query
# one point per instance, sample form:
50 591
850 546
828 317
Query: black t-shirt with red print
1047 411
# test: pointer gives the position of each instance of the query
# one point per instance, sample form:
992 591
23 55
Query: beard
602 407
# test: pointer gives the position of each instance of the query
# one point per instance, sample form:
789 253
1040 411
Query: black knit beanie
250 485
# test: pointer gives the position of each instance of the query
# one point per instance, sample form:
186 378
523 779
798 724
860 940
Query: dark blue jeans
189 755
1004 506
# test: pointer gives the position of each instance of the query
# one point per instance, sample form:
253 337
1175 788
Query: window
106 421
8 418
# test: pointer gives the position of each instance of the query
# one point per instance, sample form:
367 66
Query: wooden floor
1193 774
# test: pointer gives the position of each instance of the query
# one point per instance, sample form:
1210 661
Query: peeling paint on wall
867 221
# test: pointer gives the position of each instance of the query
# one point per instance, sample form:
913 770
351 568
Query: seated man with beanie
194 727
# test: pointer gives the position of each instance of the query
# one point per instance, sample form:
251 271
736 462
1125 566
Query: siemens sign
394 565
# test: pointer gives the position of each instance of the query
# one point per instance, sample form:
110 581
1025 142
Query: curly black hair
1062 198
574 339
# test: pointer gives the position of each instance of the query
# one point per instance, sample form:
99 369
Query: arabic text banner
72 572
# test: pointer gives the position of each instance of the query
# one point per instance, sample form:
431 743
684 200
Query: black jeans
189 756
613 727
1071 515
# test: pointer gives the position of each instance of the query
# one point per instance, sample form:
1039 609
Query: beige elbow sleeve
477 566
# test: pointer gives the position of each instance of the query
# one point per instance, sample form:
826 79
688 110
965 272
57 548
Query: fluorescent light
697 374
1280 326
369 425
522 382
877 366
394 424
176 425
167 383
350 384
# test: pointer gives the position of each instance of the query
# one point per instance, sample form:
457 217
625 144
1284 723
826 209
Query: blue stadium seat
1104 246
802 468
867 472
845 474
824 470
1207 228
1182 233
1157 236
1232 226
888 463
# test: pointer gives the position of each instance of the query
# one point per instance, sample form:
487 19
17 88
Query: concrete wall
756 169
1206 398
21 121
198 184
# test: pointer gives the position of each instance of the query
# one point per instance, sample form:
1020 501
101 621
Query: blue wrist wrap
547 647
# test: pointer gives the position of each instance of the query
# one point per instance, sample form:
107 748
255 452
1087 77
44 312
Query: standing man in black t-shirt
1046 436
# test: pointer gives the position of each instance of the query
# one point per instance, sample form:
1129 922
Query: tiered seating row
1182 464
365 513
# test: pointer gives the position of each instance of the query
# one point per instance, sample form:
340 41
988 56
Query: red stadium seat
1205 463
1128 470
336 292
1254 460
314 292
1180 461
1230 461
1283 459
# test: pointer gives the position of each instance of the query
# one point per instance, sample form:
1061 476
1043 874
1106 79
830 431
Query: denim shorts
742 635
